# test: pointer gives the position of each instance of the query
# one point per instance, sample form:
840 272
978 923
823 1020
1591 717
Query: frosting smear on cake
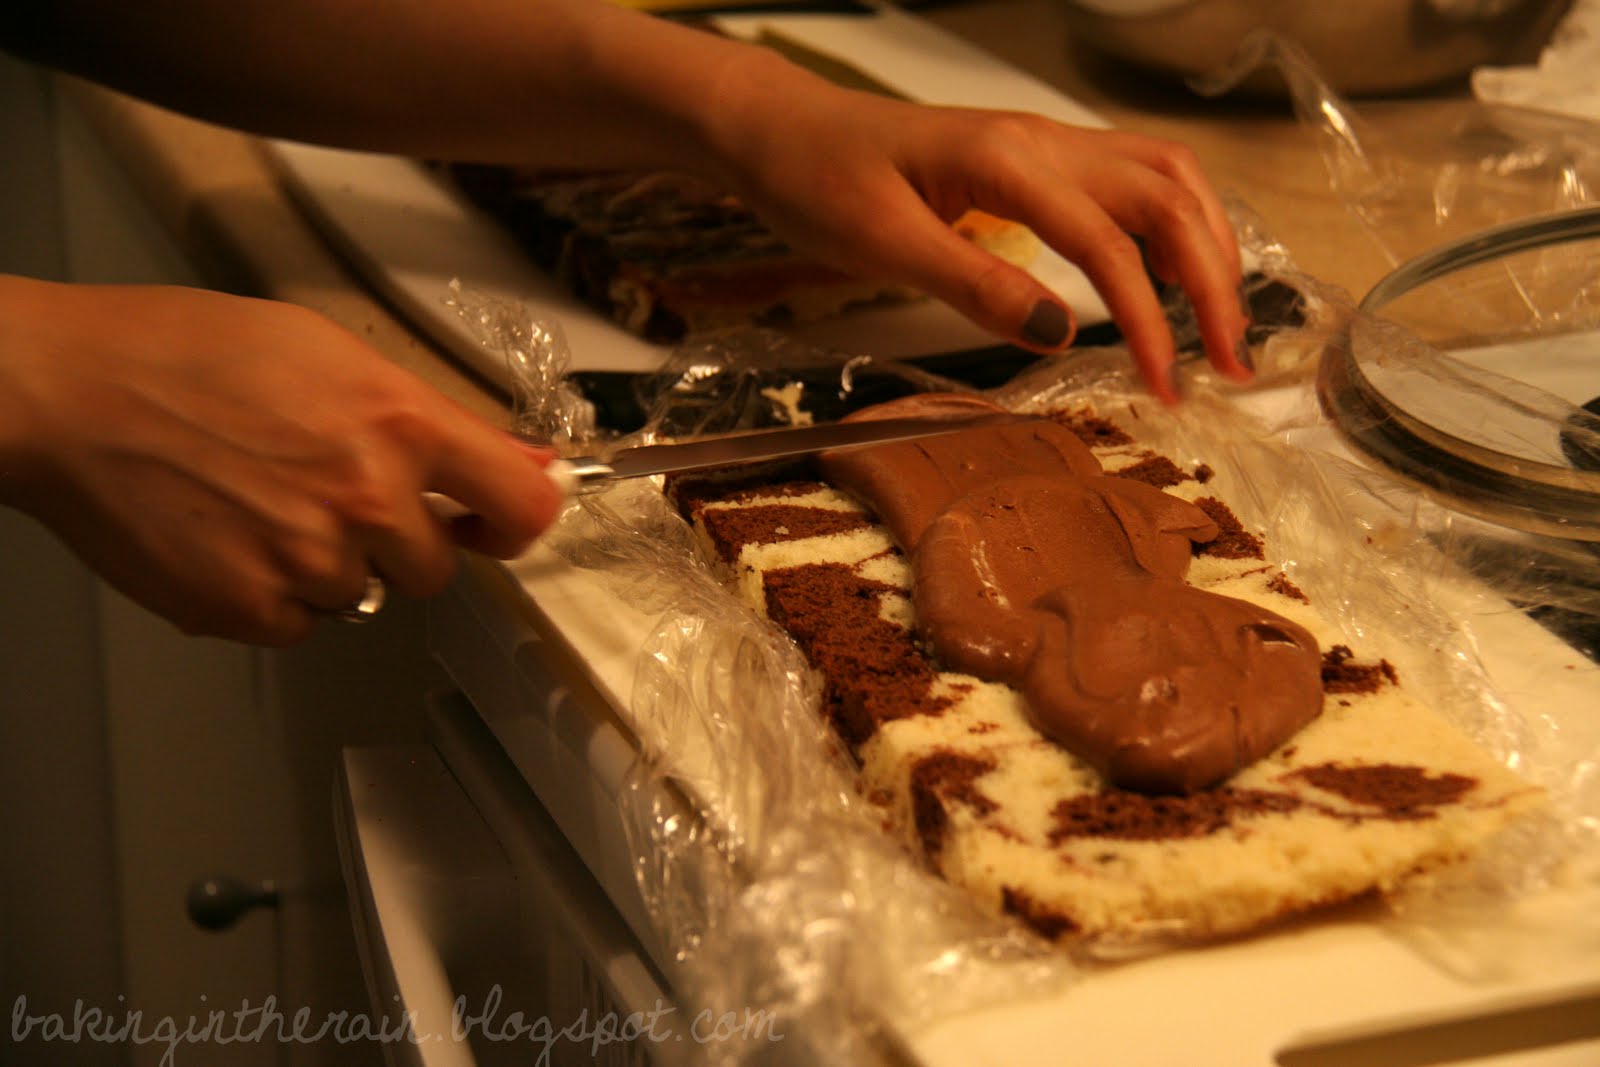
1035 569
1373 790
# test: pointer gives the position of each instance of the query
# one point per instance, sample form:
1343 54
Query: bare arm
535 81
240 465
863 183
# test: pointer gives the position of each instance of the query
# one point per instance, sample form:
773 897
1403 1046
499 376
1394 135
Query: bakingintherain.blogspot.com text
252 1023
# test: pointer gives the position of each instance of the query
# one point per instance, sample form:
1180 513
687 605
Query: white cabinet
134 760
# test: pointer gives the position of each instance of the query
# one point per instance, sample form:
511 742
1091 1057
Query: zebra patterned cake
1265 771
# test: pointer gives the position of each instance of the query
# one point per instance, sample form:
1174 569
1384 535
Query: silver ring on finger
370 603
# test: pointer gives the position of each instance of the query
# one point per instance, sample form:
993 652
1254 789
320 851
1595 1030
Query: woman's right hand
243 466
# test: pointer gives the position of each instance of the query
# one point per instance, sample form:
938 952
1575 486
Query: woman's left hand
870 185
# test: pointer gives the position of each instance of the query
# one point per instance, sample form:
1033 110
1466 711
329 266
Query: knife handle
573 475
580 474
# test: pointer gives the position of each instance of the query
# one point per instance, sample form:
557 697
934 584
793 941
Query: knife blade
590 473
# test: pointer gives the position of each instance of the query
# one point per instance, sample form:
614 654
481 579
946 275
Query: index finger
1084 232
500 483
1173 221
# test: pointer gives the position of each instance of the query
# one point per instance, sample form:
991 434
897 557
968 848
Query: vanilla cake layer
1375 790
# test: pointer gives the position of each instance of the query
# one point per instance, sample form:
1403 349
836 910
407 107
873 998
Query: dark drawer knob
216 903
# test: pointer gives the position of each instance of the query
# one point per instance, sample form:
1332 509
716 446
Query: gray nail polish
1048 325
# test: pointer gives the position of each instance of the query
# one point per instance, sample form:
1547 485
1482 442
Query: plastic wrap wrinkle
1394 552
1415 178
1566 77
781 892
784 894
1404 577
536 353
789 898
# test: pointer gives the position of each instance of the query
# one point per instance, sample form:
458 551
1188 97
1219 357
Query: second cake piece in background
667 257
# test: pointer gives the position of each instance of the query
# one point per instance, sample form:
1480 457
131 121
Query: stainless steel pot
1362 47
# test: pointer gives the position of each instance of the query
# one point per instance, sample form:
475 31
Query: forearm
553 82
861 182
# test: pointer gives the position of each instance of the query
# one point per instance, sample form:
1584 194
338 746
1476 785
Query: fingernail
1048 325
1241 352
562 476
1175 379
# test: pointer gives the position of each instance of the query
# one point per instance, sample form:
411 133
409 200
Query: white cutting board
409 234
1246 1003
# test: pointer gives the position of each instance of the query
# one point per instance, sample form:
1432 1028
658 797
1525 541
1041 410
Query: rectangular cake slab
1231 1005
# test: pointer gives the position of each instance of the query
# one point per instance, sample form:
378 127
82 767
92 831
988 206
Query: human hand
869 185
242 466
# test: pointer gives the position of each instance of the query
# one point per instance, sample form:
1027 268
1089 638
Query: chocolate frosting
1034 568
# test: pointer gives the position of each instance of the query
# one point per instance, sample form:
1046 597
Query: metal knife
585 474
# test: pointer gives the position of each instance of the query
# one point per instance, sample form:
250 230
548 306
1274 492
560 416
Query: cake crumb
1280 584
1093 430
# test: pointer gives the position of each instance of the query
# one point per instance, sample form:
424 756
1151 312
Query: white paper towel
1566 78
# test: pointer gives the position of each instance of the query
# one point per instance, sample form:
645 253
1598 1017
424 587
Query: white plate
409 234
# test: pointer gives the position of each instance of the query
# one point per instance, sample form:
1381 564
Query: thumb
495 492
996 295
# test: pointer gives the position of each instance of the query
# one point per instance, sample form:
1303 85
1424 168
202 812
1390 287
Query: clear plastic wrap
776 883
1478 353
1418 176
1565 79
1478 344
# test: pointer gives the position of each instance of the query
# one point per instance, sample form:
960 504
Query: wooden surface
1253 149
216 192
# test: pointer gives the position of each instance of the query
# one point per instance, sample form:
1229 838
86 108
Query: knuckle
998 140
365 491
994 292
407 418
1176 158
367 503
312 554
1111 251
1176 209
